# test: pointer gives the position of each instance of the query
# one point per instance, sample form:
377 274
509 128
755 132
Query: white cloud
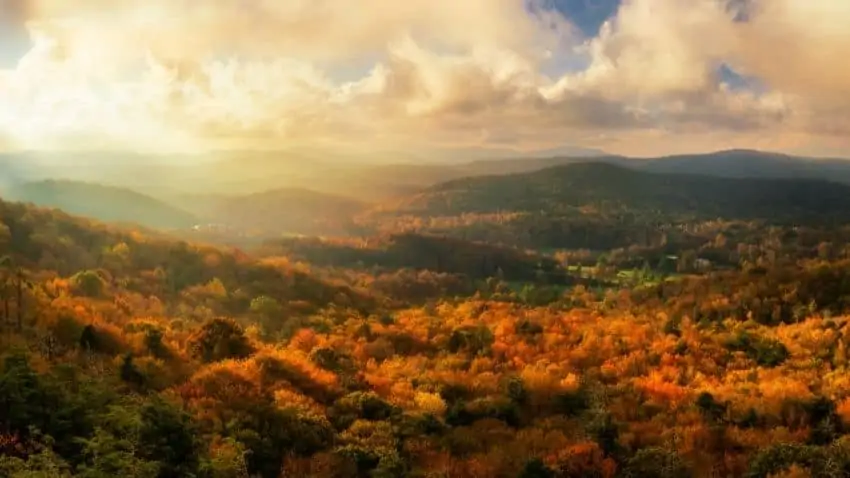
182 74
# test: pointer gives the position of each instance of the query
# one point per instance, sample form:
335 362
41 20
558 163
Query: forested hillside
277 211
601 206
106 203
420 252
129 354
240 173
611 188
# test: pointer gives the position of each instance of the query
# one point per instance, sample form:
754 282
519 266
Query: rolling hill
601 206
419 252
741 163
104 203
399 180
284 210
372 178
734 163
53 241
611 187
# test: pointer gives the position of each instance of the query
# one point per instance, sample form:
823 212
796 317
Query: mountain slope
735 163
105 203
751 164
723 164
53 241
284 210
419 252
367 177
608 187
372 177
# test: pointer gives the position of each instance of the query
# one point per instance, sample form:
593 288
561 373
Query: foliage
151 357
765 352
220 339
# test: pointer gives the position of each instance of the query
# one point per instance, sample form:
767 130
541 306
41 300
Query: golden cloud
182 74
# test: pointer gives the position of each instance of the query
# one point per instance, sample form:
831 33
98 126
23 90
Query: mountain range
105 203
612 188
269 194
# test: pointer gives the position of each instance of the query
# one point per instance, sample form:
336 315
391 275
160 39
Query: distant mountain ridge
742 163
614 188
277 211
97 201
733 163
244 173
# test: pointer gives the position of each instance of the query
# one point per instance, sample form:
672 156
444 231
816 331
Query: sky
632 77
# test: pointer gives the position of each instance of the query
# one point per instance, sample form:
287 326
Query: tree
5 282
333 360
112 451
130 373
153 342
168 435
13 283
775 458
840 356
712 410
227 460
269 313
536 469
248 413
15 277
5 237
44 464
655 463
359 405
21 284
88 284
31 403
220 339
473 339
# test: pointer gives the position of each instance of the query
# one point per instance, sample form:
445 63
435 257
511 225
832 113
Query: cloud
15 12
801 49
187 75
13 36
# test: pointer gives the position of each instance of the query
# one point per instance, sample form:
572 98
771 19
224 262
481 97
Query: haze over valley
267 195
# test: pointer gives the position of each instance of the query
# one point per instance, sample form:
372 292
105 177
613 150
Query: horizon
456 157
634 78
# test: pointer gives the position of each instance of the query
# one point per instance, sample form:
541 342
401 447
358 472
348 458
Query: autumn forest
575 320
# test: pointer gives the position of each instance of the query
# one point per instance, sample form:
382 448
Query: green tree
775 458
130 373
22 284
154 344
13 284
43 464
115 453
5 286
656 463
88 284
220 339
359 405
31 404
228 460
536 469
269 313
168 436
5 237
472 339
